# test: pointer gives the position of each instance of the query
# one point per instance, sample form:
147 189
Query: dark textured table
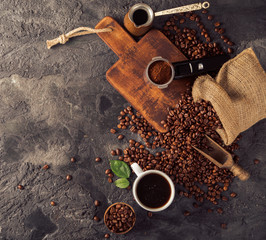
56 104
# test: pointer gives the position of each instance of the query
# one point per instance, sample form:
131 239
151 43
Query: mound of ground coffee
160 72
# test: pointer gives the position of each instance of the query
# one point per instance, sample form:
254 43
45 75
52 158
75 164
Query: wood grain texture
126 75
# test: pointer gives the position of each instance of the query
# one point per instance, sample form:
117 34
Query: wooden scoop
223 159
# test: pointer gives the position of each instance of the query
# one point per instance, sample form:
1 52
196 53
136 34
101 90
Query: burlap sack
238 94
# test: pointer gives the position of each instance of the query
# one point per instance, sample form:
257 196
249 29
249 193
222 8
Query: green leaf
122 183
120 168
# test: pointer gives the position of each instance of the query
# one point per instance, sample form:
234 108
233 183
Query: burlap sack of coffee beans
238 94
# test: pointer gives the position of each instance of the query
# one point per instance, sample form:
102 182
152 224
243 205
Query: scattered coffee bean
195 205
223 225
233 194
118 152
230 50
210 17
96 218
224 198
120 137
107 171
20 187
107 235
129 187
182 20
97 203
256 161
110 180
217 24
209 210
149 214
113 152
98 159
219 210
221 31
68 177
72 159
45 167
204 11
112 130
186 213
110 175
120 218
53 203
230 43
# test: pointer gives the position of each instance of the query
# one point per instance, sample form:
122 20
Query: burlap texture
238 94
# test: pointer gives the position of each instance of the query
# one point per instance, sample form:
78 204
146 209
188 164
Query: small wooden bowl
113 206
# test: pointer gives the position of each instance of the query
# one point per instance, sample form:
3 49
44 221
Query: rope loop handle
63 38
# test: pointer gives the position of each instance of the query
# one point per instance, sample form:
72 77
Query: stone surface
56 104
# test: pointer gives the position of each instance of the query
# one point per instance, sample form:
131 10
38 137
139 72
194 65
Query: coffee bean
96 218
209 210
221 31
230 50
256 161
223 225
186 213
210 17
52 203
149 214
45 167
230 43
107 235
68 177
98 159
110 180
112 130
219 210
113 152
118 151
20 187
233 194
107 171
195 205
182 20
224 198
110 175
204 11
72 159
217 24
120 137
97 203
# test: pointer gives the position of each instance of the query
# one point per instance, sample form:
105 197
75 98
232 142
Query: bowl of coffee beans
120 218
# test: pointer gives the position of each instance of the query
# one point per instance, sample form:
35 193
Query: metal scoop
223 159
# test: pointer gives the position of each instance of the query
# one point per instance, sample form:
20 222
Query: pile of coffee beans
119 218
188 40
186 125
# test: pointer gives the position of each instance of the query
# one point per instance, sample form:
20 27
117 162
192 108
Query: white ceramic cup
140 174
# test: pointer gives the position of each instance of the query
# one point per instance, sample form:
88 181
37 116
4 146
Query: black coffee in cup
153 190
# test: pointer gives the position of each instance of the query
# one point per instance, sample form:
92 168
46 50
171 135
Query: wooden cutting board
126 75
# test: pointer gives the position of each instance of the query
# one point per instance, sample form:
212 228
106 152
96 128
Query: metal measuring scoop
140 17
223 159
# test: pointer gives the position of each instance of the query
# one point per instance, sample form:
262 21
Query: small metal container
139 19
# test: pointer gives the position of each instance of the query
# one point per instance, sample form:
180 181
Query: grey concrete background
56 104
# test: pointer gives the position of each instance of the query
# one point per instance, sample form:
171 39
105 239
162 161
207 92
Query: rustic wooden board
126 75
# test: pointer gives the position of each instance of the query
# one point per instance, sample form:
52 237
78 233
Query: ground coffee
160 72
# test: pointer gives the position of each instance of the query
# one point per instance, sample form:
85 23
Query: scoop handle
239 172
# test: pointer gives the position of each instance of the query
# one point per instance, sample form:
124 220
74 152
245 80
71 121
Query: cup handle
136 168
